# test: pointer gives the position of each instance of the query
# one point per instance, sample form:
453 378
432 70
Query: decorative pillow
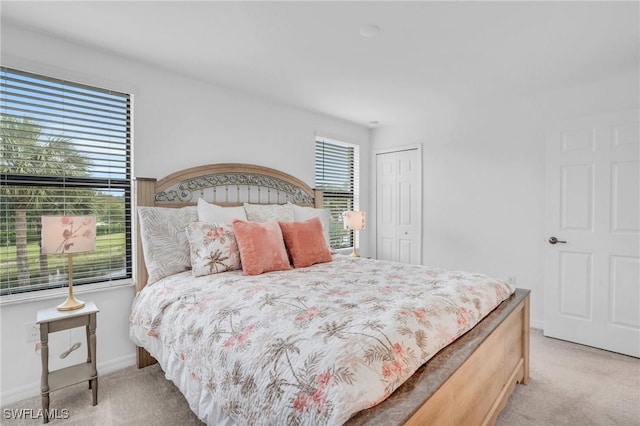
261 247
213 248
305 242
300 214
164 240
211 213
269 212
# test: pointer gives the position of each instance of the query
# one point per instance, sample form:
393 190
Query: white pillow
164 240
301 214
211 213
269 212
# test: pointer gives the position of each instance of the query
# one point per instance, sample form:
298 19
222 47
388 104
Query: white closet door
592 274
399 206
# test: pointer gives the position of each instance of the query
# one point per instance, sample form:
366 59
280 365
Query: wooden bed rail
468 382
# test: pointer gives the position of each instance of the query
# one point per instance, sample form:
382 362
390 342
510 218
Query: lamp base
354 253
70 304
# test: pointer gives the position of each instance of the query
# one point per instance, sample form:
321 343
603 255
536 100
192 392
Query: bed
467 381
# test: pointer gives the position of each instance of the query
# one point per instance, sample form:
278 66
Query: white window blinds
336 173
65 150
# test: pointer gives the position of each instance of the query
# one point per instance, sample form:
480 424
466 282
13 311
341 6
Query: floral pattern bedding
311 345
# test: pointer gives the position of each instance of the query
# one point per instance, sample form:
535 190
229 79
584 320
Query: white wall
178 123
483 178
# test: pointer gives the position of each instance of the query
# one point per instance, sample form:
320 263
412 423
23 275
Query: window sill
347 250
56 293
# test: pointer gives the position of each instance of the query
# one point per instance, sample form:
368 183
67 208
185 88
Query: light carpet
570 385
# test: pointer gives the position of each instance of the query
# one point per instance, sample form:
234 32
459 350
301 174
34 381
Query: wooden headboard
225 184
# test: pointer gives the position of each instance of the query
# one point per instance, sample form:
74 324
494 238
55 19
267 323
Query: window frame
331 194
123 185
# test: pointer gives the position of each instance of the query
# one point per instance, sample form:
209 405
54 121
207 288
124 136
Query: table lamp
69 235
354 220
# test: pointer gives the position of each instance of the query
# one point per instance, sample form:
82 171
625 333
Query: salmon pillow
305 242
261 247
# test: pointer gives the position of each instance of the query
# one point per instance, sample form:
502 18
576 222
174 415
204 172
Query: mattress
305 346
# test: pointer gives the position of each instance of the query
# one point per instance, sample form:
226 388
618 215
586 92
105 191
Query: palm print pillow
213 248
164 242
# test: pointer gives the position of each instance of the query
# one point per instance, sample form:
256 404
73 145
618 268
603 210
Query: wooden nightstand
52 320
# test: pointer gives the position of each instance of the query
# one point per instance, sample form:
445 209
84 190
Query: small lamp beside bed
354 220
69 235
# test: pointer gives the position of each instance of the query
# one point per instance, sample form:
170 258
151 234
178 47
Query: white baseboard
536 324
33 389
117 364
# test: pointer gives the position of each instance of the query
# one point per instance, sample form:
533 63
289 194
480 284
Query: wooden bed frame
466 383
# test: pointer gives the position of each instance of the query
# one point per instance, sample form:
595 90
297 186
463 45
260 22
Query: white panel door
592 272
399 206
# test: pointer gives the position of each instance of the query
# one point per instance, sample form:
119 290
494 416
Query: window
65 149
337 171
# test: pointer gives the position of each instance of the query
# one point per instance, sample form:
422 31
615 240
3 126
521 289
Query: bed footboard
478 390
467 382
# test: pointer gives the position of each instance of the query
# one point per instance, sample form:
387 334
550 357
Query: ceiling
310 55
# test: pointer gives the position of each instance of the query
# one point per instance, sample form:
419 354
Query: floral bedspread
312 345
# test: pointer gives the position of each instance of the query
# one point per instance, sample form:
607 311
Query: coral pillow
261 247
302 213
305 242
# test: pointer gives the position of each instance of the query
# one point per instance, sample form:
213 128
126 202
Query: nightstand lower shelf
70 376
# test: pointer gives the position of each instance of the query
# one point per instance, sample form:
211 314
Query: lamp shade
68 234
354 220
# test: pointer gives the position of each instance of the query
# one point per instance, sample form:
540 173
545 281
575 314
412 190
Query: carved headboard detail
236 187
